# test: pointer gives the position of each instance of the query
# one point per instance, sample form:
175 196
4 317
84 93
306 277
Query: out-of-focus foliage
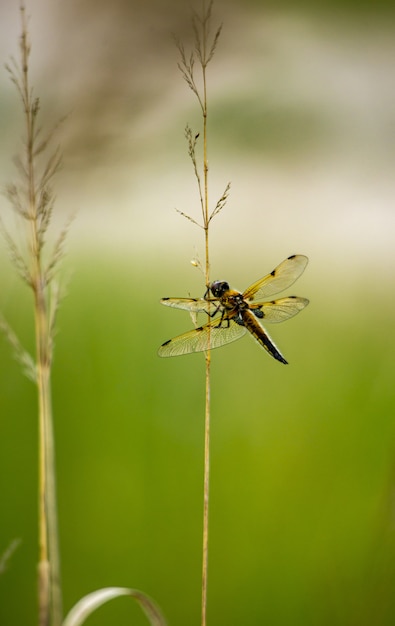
302 459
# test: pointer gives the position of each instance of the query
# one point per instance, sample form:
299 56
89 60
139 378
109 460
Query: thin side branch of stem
188 217
21 355
220 203
7 555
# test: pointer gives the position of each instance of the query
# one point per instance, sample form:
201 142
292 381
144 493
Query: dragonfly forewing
194 305
282 277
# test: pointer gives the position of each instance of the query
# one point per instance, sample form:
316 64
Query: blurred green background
303 457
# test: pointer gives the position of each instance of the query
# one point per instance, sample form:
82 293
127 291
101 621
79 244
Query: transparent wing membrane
280 310
282 277
194 305
199 339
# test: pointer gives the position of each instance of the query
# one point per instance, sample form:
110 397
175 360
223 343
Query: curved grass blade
89 603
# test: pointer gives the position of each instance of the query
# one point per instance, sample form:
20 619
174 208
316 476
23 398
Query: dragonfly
234 313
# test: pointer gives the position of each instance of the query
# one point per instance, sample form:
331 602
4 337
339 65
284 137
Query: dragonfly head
218 288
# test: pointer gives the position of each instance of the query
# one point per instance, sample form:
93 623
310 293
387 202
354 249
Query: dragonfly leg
222 319
217 308
207 297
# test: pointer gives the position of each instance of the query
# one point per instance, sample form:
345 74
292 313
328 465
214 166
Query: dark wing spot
291 257
273 273
166 342
165 298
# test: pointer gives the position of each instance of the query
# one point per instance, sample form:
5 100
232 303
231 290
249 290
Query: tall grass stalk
204 51
32 202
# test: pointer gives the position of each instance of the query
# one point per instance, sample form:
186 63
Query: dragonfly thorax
231 300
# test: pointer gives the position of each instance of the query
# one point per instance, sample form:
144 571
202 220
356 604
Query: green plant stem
206 491
49 590
206 223
50 599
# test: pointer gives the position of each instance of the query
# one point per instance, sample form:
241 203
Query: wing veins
282 277
200 339
193 305
280 310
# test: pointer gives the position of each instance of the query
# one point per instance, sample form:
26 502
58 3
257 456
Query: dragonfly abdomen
260 335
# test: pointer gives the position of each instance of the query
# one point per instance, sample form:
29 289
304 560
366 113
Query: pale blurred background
302 123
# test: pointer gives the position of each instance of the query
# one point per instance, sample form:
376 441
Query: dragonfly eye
218 288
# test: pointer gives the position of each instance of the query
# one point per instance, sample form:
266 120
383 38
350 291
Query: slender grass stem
32 199
42 371
206 222
204 51
206 491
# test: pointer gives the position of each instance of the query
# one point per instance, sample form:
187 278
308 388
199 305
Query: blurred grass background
302 461
302 487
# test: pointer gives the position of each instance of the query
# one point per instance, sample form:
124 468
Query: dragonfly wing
194 305
200 339
282 277
280 310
